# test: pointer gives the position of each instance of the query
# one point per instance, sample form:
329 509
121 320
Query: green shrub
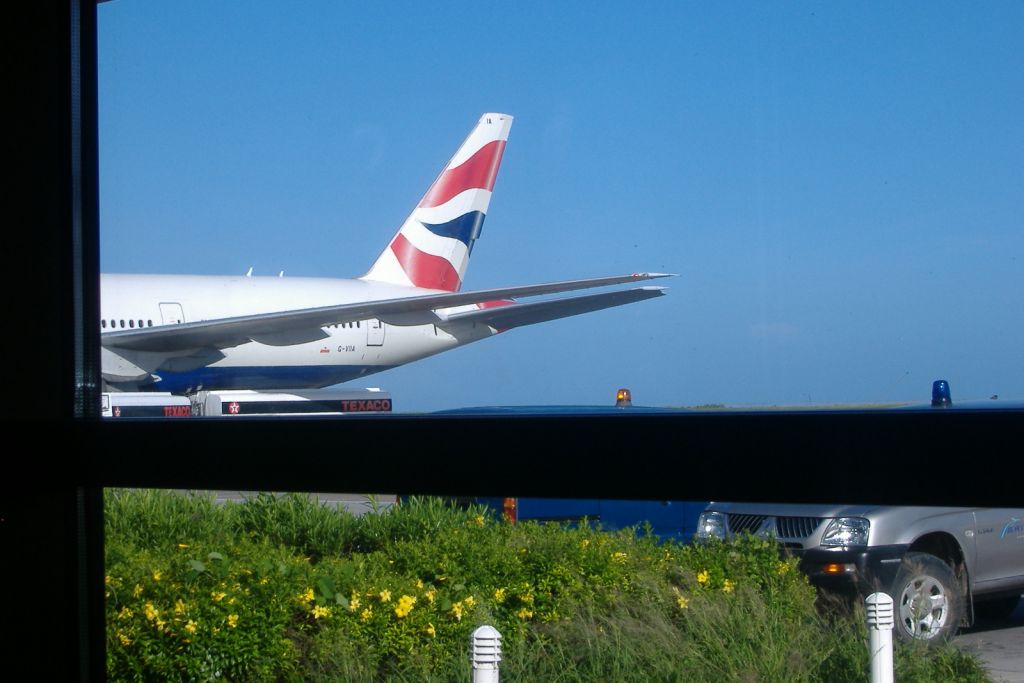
284 588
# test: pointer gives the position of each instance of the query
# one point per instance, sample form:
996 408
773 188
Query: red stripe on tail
425 270
476 172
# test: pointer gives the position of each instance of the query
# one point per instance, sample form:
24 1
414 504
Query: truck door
1000 544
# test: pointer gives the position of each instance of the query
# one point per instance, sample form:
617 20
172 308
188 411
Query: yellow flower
264 581
405 604
307 596
527 598
524 613
191 626
431 631
366 614
619 557
353 603
385 595
419 583
319 611
782 568
681 599
703 576
179 607
585 542
106 580
457 611
150 611
727 586
137 591
430 595
125 640
478 520
157 574
470 601
218 596
499 595
233 620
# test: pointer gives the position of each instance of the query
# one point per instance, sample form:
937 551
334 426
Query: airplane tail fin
432 248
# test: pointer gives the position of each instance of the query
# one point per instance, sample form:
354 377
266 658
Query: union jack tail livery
431 250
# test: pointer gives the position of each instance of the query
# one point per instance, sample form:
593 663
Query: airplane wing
518 314
304 325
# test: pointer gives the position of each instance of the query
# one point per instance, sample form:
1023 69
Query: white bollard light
486 653
880 623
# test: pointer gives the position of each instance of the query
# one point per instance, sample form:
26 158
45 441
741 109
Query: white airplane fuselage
348 351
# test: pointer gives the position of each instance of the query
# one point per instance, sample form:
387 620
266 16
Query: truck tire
927 601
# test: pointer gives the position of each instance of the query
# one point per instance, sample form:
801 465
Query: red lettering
374 405
177 411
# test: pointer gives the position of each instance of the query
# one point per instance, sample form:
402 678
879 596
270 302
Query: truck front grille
749 523
796 527
784 527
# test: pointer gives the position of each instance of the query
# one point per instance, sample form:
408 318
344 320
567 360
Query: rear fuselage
348 351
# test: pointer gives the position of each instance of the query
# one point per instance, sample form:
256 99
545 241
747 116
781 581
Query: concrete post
486 653
880 623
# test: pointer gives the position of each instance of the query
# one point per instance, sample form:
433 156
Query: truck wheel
927 601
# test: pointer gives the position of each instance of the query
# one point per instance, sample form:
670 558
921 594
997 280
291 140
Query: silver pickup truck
941 565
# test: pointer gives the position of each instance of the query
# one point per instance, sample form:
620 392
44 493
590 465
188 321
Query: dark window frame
54 509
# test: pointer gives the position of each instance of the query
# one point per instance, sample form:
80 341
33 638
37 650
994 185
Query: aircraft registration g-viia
184 333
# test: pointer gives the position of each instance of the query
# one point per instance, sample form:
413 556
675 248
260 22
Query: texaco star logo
233 408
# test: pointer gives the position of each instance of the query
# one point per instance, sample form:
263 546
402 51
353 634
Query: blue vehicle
668 519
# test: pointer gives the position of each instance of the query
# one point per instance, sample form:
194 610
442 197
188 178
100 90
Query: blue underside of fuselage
255 377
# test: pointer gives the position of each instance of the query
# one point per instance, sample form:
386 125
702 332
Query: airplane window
103 324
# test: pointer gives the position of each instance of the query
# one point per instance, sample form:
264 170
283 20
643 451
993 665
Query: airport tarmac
1000 644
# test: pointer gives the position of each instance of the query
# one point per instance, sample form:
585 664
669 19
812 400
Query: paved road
1000 645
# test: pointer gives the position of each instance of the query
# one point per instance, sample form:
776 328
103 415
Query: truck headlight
711 525
846 531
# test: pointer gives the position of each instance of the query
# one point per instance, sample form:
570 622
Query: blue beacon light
940 394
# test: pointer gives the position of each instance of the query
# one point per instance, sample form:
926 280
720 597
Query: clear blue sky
840 187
